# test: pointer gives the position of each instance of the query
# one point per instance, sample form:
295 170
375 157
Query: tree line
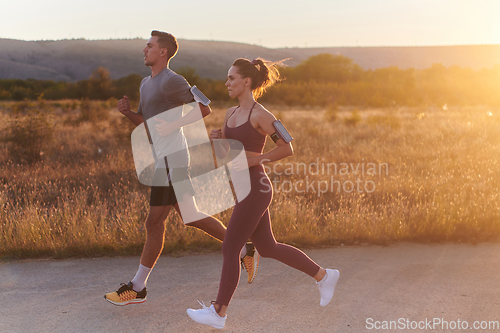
321 80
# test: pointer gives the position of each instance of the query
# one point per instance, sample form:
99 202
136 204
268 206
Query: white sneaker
207 316
327 286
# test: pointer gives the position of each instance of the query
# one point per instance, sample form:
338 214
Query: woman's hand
216 134
221 146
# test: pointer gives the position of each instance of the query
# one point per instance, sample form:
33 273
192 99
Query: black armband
199 96
281 132
274 137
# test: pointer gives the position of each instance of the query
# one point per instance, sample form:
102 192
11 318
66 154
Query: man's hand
123 106
164 128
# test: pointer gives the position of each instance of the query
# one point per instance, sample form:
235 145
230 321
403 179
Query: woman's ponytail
263 73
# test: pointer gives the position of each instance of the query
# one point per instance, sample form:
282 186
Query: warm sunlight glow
268 23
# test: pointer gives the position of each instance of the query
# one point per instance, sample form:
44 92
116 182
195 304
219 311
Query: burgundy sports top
245 133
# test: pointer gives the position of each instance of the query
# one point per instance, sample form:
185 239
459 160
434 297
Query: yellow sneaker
250 262
126 295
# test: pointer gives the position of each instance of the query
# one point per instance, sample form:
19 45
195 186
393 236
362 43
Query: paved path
397 283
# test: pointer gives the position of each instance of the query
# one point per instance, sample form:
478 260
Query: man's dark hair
168 41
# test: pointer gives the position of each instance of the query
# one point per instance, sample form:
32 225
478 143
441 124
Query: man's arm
165 128
192 116
178 90
205 110
124 107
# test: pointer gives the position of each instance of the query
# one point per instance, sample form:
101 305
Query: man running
161 91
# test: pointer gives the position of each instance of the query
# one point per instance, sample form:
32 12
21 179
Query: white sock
243 251
141 277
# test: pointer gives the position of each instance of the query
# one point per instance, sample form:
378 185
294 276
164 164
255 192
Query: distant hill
75 59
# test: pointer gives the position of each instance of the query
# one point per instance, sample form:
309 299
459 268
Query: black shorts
165 195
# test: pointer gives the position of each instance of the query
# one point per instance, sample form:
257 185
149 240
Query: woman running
249 123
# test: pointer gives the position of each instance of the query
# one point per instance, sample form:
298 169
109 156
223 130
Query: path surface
407 281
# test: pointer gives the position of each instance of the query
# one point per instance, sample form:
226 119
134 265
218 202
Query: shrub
28 135
354 119
331 113
92 112
390 121
22 106
121 131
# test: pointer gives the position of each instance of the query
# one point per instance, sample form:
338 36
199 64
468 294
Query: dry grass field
367 176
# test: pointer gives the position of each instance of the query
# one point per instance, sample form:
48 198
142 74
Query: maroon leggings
250 219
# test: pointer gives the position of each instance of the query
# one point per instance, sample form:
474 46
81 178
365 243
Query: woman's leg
250 219
246 215
267 246
264 241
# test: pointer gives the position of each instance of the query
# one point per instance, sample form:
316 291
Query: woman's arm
264 120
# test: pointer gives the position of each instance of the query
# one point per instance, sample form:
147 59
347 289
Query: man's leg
155 234
200 220
211 226
135 291
216 229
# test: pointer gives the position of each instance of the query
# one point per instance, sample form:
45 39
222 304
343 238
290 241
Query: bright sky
268 23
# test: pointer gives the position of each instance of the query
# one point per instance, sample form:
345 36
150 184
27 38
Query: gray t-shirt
167 91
